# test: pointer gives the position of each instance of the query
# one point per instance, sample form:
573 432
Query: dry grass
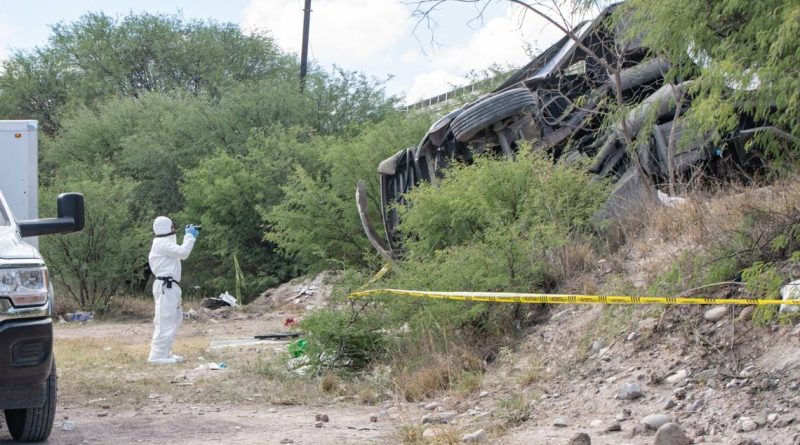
426 380
573 259
414 434
732 224
116 369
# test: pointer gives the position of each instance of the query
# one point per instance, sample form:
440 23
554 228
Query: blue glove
191 230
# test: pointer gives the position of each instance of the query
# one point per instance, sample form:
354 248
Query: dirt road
112 396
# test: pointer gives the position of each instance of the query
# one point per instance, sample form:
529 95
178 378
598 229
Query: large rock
747 313
580 439
716 313
655 421
474 437
671 434
678 377
630 391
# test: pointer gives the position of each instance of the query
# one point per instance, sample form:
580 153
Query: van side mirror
70 218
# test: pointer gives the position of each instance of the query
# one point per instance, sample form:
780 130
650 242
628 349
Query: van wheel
34 424
491 110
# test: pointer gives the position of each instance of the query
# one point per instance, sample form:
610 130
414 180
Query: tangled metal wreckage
558 103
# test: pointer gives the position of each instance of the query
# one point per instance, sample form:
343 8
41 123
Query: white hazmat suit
165 263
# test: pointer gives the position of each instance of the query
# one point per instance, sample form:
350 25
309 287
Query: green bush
349 337
495 224
763 281
110 253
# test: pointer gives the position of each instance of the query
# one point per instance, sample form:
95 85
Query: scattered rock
747 372
632 336
68 425
483 394
771 418
630 391
287 441
102 414
597 345
715 313
746 424
733 383
747 313
614 427
373 418
474 437
438 418
580 439
705 376
696 406
678 377
760 419
785 421
671 434
318 424
648 324
655 421
430 432
748 441
432 406
768 384
670 404
596 423
559 422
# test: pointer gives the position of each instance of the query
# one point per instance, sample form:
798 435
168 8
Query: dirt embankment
613 373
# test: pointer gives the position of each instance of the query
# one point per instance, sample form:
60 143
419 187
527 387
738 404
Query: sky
381 38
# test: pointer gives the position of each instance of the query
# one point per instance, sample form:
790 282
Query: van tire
491 110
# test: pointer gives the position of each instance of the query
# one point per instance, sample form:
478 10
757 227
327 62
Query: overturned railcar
559 103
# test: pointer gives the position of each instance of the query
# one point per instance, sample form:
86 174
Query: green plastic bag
298 348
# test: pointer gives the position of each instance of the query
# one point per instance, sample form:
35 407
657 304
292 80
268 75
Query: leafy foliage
495 224
104 259
743 56
195 120
317 220
98 56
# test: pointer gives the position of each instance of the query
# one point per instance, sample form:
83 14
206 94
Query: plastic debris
297 348
68 425
228 298
790 292
670 201
224 299
212 366
191 314
80 316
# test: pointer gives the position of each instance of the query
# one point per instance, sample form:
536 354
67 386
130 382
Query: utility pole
304 53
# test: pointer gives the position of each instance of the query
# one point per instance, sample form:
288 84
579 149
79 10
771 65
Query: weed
765 315
613 321
468 383
425 381
515 410
329 382
411 434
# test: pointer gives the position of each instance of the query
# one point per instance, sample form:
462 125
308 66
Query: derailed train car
559 104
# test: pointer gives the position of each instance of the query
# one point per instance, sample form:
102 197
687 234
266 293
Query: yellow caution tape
510 297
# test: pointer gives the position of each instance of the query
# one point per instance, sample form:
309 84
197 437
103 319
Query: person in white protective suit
165 263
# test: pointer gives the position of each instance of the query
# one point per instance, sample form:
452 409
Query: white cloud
433 83
341 31
500 41
6 32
